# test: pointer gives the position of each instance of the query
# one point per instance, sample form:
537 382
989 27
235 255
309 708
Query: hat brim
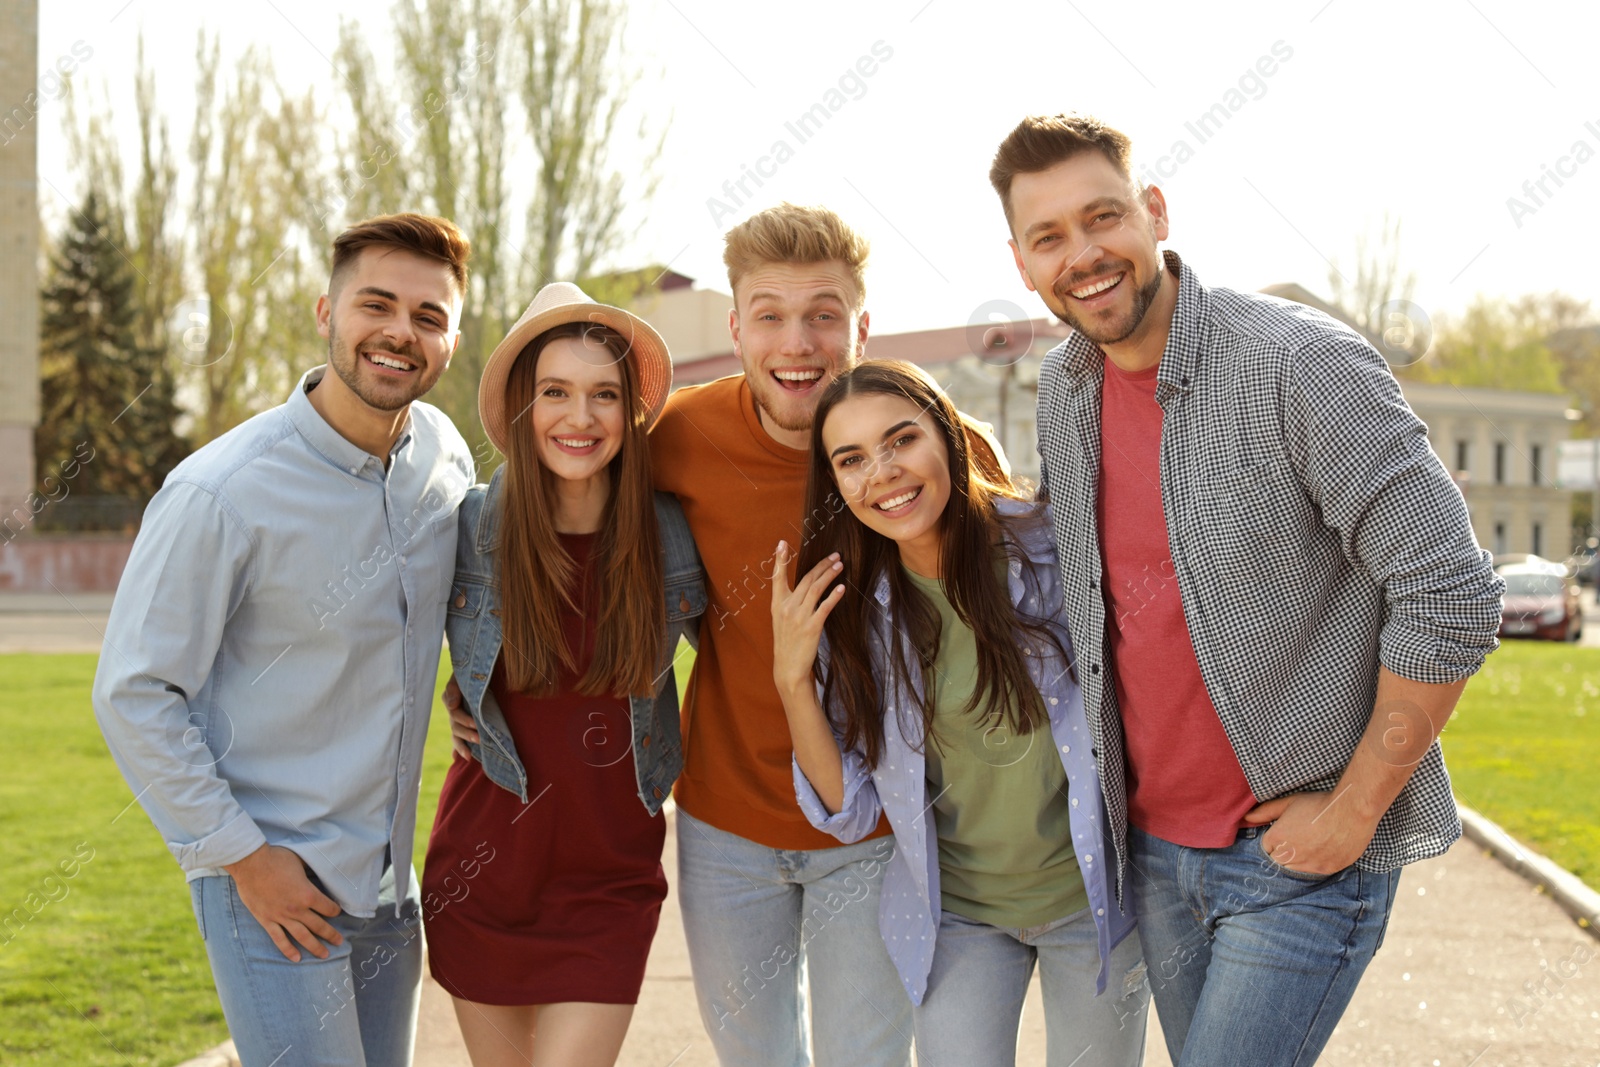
648 352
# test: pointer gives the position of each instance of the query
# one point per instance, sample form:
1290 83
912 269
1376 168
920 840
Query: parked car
1581 563
1540 601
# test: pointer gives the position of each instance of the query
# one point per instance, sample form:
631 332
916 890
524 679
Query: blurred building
19 259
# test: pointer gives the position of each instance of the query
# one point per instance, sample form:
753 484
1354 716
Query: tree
108 406
248 335
1493 344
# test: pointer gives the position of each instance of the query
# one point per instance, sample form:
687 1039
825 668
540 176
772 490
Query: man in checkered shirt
1274 595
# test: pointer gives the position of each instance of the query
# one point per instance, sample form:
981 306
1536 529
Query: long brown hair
537 576
970 534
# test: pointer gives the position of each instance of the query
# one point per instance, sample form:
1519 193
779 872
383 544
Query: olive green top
999 800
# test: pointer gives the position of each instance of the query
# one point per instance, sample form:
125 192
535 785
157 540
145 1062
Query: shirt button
1094 668
1099 911
1066 748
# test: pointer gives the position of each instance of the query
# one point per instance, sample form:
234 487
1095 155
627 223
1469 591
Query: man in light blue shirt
269 663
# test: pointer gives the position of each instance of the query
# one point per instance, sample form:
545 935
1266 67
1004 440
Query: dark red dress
557 899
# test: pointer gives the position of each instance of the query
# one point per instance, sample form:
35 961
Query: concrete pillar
19 249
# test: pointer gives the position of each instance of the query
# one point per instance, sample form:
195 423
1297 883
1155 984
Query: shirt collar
1185 337
333 445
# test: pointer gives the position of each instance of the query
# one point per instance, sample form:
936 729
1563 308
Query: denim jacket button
657 792
461 600
683 605
645 740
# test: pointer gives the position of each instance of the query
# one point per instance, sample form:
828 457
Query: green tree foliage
108 402
1503 344
248 248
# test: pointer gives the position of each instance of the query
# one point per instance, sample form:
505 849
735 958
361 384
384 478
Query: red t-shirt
1184 781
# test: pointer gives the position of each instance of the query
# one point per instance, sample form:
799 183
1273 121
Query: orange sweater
742 492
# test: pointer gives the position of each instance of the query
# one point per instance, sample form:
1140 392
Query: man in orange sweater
761 890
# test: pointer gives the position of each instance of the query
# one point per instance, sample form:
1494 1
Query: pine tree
108 405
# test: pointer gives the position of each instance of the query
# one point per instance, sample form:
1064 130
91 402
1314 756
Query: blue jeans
980 975
357 1008
1251 962
753 916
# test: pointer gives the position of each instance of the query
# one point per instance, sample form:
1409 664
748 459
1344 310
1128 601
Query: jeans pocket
1278 868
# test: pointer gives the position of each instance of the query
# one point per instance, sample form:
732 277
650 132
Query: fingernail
783 546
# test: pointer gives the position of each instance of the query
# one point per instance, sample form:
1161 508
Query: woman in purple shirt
926 623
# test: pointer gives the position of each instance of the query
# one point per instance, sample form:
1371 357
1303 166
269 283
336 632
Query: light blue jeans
754 916
357 1008
980 975
1251 962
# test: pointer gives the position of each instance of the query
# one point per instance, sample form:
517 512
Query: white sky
1436 111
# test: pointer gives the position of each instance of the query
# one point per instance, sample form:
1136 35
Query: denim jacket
908 909
472 626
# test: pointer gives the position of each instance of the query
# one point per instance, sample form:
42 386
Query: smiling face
579 408
795 328
1085 240
892 468
391 325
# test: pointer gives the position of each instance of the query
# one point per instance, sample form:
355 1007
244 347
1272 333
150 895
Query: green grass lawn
1522 748
107 967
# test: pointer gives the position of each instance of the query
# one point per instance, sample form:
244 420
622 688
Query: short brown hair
1041 141
425 235
789 233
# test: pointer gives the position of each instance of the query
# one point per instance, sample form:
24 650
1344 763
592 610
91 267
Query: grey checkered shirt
1314 534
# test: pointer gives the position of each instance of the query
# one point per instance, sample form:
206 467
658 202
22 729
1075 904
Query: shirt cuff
232 842
847 823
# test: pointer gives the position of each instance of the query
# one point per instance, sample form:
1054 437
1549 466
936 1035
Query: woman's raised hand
797 617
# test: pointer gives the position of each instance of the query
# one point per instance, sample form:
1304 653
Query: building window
1538 539
1462 455
1537 456
1499 538
1499 463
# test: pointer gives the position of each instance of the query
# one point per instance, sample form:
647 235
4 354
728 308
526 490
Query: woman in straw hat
927 621
573 584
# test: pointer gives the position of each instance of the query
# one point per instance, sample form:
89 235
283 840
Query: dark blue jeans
1250 962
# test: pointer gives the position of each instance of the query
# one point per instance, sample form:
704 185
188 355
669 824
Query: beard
383 394
1118 330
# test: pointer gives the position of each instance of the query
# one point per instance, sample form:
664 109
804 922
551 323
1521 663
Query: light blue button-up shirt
908 907
269 664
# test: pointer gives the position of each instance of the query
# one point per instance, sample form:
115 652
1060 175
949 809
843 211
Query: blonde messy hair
790 233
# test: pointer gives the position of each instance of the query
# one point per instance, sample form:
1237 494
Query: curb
224 1055
1562 886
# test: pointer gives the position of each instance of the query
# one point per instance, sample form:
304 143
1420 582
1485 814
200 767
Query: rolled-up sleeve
858 816
1366 460
188 572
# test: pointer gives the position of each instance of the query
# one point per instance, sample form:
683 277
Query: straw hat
555 305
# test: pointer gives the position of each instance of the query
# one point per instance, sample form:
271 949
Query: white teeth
576 442
896 501
384 361
798 375
1097 287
